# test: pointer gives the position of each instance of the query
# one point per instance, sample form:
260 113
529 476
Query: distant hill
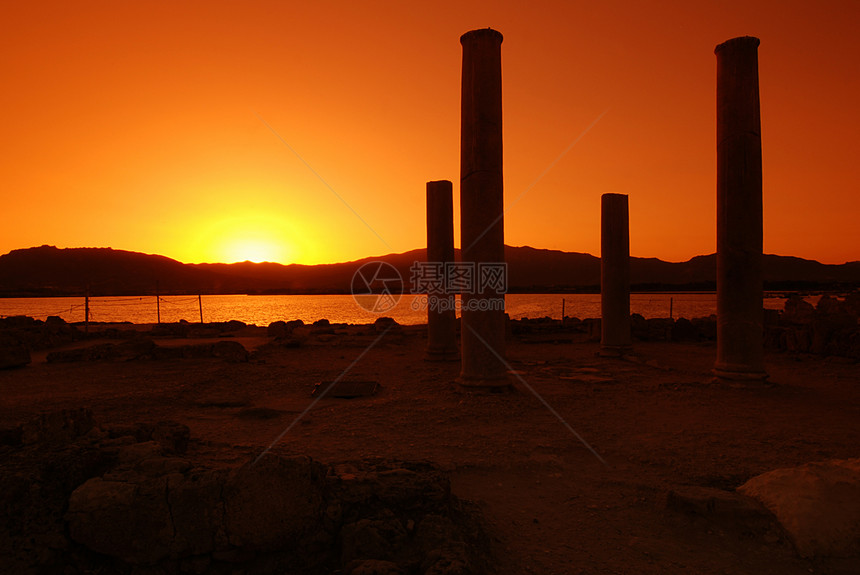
49 271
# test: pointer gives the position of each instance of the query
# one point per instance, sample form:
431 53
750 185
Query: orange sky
137 125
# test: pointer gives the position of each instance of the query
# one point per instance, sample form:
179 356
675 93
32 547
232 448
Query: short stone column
482 332
441 316
740 353
614 276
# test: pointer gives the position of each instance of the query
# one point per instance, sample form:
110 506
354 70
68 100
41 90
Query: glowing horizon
214 131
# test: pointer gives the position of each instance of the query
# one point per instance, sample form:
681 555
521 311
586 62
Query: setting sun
247 237
254 250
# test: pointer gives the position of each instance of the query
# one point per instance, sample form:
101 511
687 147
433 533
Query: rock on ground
77 495
818 504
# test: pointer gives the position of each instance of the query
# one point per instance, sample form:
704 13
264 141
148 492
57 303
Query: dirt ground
551 506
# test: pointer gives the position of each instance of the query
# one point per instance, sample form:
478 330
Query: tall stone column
482 333
740 354
441 317
614 276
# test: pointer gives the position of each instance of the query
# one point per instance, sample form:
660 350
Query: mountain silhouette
50 271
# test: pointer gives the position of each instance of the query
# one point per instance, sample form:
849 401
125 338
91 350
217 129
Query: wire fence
108 309
262 310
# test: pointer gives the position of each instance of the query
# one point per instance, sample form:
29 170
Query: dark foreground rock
34 334
77 497
19 335
814 507
818 504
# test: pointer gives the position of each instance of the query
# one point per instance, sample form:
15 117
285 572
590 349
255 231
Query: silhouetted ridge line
50 271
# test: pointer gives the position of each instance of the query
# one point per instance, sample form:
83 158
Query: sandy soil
551 505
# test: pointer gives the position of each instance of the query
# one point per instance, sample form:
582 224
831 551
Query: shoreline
829 328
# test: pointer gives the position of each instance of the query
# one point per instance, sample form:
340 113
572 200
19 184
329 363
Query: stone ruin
441 315
740 354
614 276
78 497
482 229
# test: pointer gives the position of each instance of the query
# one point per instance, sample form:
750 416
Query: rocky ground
590 465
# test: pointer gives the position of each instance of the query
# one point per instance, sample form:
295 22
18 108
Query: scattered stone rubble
20 335
829 328
76 497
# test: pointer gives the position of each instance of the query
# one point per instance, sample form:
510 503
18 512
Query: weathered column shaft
740 353
441 317
614 275
482 333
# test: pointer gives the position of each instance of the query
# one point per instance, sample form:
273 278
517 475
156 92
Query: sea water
407 309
